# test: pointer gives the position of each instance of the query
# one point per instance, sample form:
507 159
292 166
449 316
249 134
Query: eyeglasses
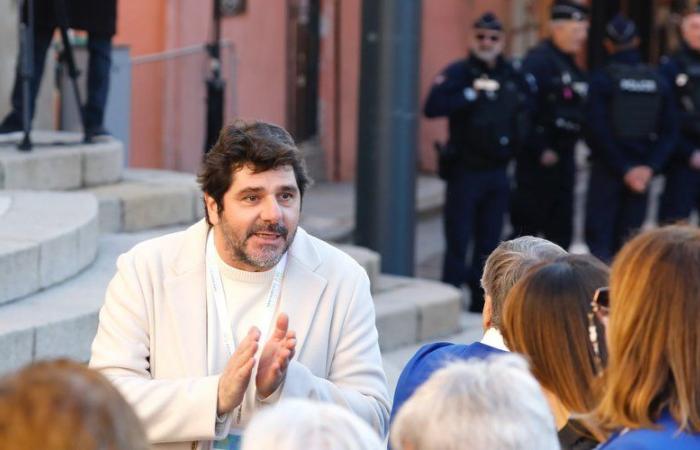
492 37
599 307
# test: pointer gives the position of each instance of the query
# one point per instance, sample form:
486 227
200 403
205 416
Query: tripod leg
27 72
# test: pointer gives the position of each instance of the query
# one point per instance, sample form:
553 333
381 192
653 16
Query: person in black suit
98 18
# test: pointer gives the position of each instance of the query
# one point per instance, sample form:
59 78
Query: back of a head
508 263
62 405
477 405
546 318
654 339
298 424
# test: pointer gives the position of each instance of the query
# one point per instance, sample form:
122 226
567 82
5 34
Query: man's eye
287 196
250 198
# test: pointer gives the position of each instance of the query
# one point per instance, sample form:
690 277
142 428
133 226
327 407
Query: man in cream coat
184 329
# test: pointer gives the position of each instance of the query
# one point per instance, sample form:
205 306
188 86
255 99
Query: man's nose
271 211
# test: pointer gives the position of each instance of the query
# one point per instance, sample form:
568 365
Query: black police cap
568 10
620 30
488 21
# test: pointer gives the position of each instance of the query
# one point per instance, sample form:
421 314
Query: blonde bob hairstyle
63 405
653 333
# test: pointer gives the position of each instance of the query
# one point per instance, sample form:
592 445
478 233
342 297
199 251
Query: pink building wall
168 98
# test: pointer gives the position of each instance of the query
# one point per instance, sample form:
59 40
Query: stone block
16 350
103 163
71 338
439 309
19 269
58 258
367 258
397 321
54 168
110 214
156 206
88 241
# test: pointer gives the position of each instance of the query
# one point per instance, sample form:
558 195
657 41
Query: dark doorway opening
302 68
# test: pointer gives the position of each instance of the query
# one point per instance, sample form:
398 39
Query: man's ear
487 313
212 209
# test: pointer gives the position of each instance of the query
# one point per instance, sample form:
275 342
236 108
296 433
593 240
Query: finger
281 326
291 334
290 344
244 353
246 370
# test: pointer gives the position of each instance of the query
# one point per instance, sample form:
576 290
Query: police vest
566 99
688 92
492 129
636 102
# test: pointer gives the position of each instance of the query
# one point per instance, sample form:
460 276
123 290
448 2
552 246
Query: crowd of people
246 332
574 356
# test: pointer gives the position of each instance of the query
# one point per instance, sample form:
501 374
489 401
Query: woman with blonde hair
652 391
63 405
548 318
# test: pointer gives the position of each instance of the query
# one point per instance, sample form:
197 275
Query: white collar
494 338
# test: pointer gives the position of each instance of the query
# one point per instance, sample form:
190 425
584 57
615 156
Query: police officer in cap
633 129
682 72
485 99
545 171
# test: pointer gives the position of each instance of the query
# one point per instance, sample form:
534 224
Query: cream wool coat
151 338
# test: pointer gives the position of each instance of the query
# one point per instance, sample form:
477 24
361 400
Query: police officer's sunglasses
493 37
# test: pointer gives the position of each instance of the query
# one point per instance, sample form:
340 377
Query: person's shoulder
331 258
159 248
667 438
440 353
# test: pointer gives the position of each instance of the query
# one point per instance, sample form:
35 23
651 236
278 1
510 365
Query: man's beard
265 259
487 56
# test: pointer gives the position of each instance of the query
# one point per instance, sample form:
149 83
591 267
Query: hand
275 357
549 158
236 375
694 160
638 177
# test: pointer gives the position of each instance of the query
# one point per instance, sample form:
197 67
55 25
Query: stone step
329 208
146 199
62 321
45 238
410 310
59 161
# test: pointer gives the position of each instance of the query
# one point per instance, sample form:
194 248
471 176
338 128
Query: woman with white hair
477 405
298 424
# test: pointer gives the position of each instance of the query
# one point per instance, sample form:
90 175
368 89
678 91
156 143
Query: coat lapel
185 293
302 287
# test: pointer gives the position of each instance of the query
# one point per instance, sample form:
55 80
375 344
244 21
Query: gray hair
508 263
300 424
477 405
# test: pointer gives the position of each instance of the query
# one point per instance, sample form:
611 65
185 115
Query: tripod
27 69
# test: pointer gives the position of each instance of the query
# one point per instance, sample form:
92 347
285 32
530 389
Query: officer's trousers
475 206
681 194
613 212
543 201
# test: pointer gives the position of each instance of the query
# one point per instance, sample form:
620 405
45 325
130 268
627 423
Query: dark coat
98 17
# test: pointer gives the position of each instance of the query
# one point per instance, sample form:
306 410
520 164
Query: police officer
682 72
485 99
632 132
543 199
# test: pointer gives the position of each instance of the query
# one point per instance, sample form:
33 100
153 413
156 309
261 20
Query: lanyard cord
215 288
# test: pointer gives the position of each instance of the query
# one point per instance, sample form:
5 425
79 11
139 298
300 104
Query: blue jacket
430 358
665 438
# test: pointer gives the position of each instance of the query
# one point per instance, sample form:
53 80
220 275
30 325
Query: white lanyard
219 296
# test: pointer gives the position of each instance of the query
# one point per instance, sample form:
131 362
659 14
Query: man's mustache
276 228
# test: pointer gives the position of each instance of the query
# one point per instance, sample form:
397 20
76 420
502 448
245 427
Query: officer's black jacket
543 64
447 99
621 155
670 68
